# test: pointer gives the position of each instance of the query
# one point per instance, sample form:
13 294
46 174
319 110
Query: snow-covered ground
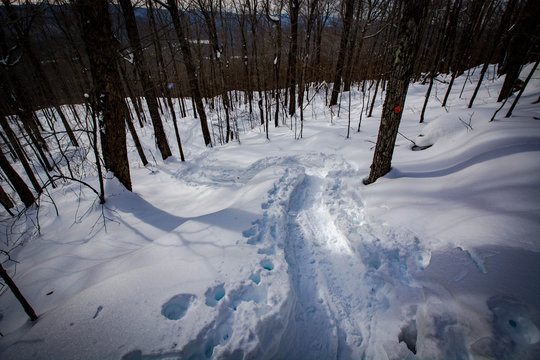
275 249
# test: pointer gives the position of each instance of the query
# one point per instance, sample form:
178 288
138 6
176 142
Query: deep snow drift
275 249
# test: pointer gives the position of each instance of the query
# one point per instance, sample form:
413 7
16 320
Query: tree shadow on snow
131 203
477 159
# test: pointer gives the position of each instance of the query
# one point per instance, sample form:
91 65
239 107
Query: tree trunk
20 153
146 82
134 136
276 24
509 113
347 20
374 97
451 63
428 93
6 201
18 183
516 54
9 282
217 55
510 6
190 68
293 9
106 96
355 44
410 31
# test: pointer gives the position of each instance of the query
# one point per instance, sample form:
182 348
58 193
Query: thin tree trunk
94 142
452 79
190 68
147 85
18 295
134 136
176 131
18 183
428 93
6 201
349 12
20 153
293 9
510 6
509 113
69 131
276 24
374 97
217 55
522 41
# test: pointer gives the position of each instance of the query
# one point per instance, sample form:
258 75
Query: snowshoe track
341 267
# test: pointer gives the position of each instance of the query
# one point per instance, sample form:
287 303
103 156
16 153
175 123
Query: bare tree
522 40
45 86
502 28
276 25
294 8
410 31
347 21
106 98
172 7
18 183
208 10
18 295
146 81
6 201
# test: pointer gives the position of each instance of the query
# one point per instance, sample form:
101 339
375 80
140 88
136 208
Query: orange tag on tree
398 109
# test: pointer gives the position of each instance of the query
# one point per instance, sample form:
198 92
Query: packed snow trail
312 332
341 270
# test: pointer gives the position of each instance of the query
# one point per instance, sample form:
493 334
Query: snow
275 249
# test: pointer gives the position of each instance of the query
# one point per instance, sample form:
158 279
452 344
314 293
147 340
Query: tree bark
106 96
410 31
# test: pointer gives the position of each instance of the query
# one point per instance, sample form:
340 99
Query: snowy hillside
276 249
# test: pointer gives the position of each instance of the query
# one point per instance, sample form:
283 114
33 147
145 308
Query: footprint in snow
214 295
267 264
177 306
256 278
512 319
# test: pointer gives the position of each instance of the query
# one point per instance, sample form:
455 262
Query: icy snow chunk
177 306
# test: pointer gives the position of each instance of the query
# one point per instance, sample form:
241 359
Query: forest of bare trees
118 58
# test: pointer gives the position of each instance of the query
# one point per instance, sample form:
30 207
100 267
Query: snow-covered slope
275 249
